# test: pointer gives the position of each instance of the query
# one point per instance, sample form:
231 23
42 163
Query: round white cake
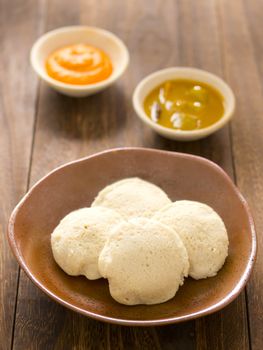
132 197
79 238
144 261
202 232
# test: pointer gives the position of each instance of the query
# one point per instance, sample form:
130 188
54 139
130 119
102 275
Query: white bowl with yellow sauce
63 37
155 80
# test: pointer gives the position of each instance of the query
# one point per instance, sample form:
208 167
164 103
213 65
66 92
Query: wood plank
76 128
243 53
17 111
216 148
201 20
157 36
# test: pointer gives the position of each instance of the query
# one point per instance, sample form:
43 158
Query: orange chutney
79 64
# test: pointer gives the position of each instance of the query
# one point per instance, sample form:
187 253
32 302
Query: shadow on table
92 117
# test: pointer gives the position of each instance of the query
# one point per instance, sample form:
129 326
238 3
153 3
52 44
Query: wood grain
77 128
243 65
90 127
220 36
18 91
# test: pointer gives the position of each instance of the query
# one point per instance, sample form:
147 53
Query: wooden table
41 129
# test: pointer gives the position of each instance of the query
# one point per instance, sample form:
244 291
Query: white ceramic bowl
99 38
173 73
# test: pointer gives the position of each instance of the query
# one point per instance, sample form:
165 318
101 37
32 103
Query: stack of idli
141 241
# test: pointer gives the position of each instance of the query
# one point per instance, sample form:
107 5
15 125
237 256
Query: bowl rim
184 133
78 28
156 322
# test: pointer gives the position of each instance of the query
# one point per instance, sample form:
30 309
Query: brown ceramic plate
75 185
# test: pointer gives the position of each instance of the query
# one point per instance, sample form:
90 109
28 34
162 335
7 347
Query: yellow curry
184 105
79 64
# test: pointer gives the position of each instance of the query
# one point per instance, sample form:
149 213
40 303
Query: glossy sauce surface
79 64
184 105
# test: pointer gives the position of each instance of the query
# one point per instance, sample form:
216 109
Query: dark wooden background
40 129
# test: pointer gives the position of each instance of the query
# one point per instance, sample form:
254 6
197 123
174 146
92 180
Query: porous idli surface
79 238
144 261
132 197
203 233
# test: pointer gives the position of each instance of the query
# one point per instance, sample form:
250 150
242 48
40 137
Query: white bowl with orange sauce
56 39
152 81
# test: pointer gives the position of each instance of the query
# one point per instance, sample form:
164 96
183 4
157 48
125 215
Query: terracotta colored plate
75 185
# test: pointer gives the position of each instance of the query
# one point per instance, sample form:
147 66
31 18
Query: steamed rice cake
132 197
203 233
144 261
79 238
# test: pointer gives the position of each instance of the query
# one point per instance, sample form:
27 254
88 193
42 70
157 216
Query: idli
144 261
79 238
132 197
202 232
